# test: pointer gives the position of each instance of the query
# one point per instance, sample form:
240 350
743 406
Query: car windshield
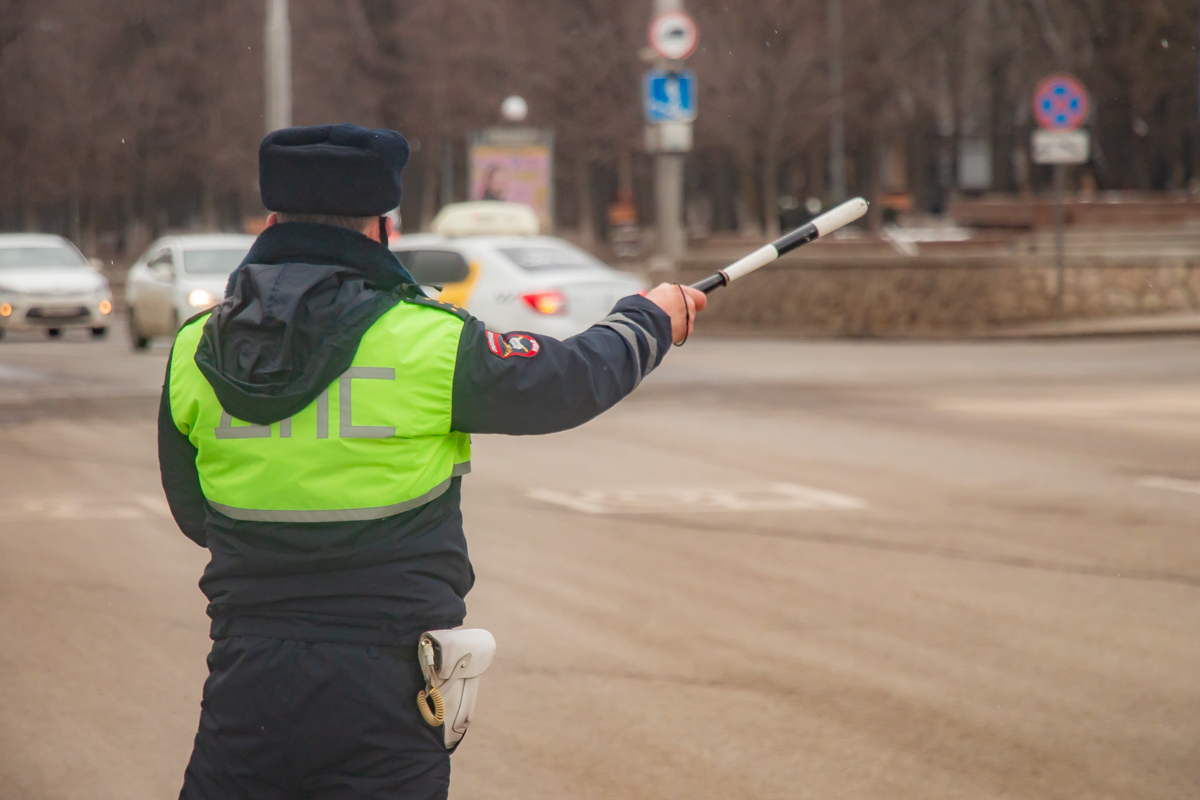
54 256
544 257
212 262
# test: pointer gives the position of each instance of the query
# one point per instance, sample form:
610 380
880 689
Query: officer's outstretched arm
521 383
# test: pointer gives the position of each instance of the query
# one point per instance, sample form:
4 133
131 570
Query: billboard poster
515 165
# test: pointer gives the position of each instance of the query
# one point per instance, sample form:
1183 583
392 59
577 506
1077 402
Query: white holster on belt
452 662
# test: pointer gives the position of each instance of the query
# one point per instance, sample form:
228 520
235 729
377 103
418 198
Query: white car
529 283
177 278
47 284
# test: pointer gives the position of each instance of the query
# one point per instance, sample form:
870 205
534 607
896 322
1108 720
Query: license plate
61 312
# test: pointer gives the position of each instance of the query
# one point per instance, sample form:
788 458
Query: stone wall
1110 208
936 296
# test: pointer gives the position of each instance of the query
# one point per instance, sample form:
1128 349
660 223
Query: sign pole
1060 106
1060 271
668 179
675 27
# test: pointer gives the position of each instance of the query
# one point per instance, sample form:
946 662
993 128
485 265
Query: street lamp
277 55
837 129
514 109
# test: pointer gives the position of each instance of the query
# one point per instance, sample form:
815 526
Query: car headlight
6 300
198 298
104 295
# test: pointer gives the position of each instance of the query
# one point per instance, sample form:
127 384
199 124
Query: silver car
46 284
177 278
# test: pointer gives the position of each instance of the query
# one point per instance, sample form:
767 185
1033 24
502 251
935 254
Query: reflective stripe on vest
375 443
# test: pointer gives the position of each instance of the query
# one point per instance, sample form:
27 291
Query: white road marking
140 506
1172 484
9 374
154 503
673 499
1109 404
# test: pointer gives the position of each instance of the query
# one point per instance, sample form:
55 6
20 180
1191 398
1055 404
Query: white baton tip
759 258
841 216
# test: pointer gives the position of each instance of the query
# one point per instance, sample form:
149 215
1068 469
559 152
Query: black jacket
291 322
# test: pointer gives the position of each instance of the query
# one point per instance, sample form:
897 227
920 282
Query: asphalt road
780 570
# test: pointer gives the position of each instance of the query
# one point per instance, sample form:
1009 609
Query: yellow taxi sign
486 218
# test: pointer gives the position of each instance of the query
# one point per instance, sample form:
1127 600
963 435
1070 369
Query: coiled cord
437 715
430 695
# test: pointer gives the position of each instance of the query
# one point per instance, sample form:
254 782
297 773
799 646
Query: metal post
837 125
277 50
447 173
1060 172
668 183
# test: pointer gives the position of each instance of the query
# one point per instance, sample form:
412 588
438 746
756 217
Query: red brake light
550 302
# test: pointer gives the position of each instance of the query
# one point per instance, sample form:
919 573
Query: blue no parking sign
1060 103
670 96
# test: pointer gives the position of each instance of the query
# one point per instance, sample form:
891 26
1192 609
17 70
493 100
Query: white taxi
46 284
178 277
487 258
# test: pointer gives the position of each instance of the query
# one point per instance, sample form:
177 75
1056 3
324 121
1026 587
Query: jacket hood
293 315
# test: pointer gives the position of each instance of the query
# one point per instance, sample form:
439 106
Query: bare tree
139 114
761 69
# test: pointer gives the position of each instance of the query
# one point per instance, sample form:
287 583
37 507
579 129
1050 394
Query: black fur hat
342 169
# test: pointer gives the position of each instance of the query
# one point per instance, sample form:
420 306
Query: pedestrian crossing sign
670 96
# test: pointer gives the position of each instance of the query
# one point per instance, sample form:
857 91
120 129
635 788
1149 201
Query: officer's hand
670 299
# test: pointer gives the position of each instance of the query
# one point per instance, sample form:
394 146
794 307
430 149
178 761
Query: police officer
313 434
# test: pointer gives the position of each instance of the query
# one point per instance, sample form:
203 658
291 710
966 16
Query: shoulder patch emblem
521 345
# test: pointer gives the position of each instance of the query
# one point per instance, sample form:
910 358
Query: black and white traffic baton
823 225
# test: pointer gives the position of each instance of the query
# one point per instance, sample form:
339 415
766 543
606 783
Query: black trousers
288 720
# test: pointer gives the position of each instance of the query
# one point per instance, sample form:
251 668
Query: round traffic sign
1060 103
673 35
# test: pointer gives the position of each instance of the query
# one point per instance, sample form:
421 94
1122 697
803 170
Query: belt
362 632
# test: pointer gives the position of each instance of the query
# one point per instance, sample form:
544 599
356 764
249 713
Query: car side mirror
162 271
96 264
